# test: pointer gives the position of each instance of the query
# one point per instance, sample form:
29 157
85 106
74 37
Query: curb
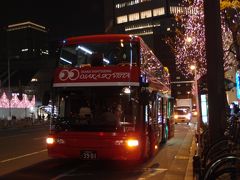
189 171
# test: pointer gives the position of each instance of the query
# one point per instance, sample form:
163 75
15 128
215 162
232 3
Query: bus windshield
97 109
97 54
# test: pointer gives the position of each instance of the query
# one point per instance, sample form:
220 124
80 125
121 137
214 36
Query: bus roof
101 38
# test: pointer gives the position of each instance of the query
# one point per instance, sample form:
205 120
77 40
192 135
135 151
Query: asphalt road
23 155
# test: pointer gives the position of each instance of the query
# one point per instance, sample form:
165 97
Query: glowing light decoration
15 102
4 102
189 46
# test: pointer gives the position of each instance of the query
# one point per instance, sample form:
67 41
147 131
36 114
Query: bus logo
96 76
66 74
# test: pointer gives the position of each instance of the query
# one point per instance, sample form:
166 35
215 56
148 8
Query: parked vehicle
182 115
184 102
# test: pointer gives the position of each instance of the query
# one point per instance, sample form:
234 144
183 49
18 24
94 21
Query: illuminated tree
189 46
231 16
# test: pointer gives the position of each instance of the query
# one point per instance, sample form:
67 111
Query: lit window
133 17
146 14
34 80
121 19
181 10
178 77
178 85
140 26
136 1
158 12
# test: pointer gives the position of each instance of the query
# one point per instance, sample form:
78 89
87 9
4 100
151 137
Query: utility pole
215 70
9 91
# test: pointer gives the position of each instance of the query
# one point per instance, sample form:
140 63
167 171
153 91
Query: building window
179 92
177 10
178 77
121 19
158 12
146 14
133 17
138 26
143 32
129 3
178 85
182 10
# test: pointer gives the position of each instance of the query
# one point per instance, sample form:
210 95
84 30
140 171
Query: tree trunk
215 70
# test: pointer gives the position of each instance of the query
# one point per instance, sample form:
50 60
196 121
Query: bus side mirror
46 98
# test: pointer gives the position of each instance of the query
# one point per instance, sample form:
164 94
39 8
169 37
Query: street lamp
194 68
188 39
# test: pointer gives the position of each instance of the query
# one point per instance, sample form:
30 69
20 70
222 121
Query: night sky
62 18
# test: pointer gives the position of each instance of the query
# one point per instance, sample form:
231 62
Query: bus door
155 126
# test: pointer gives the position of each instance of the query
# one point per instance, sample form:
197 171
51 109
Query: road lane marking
152 172
65 174
181 157
25 155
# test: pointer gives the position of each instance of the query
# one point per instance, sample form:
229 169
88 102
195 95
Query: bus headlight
175 116
132 142
50 140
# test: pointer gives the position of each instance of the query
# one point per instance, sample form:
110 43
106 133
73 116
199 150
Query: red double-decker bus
112 97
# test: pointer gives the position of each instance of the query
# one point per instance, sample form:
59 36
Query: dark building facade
26 40
25 60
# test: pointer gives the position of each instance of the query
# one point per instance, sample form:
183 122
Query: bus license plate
88 155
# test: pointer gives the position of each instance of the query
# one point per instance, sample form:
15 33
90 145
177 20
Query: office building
26 40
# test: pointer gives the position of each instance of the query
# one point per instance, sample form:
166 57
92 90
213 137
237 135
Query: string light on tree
189 46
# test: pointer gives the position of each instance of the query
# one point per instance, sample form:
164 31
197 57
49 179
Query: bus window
99 106
112 53
96 59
